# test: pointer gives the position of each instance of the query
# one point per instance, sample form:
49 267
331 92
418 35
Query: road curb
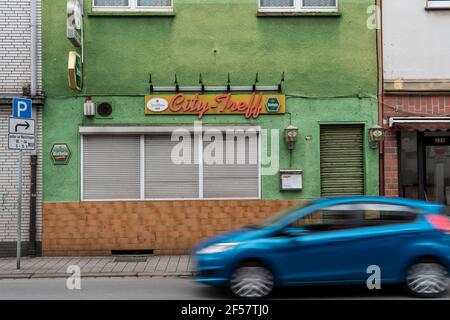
16 276
96 275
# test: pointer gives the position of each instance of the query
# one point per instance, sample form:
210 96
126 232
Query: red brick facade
406 105
167 227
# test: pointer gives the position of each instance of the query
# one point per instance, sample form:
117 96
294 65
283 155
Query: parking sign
22 108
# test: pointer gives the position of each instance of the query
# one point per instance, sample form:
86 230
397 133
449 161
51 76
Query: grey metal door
341 160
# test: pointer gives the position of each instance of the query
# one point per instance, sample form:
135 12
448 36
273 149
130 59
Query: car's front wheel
252 281
427 279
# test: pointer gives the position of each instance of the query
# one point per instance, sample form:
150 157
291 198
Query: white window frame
143 131
298 7
132 7
433 4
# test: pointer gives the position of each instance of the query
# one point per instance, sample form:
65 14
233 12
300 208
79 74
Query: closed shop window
233 169
165 179
147 167
111 167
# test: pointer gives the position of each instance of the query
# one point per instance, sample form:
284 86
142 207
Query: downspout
33 190
33 93
379 4
33 48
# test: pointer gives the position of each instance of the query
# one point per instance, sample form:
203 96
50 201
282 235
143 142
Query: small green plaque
60 153
273 104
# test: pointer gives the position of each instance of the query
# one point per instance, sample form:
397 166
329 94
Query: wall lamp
377 134
291 136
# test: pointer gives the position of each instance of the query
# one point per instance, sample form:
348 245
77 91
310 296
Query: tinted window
357 215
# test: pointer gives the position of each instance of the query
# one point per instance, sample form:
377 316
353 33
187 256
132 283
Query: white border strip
142 165
154 129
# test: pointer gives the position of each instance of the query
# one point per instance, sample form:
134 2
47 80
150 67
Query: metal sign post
21 136
19 219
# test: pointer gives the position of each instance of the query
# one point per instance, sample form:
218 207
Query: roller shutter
231 171
170 176
111 167
341 160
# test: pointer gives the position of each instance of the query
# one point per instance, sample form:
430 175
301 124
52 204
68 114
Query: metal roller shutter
341 160
239 179
111 167
164 178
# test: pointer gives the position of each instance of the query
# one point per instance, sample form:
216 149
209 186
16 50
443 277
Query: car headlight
218 247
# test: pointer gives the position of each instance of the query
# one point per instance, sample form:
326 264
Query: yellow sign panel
250 105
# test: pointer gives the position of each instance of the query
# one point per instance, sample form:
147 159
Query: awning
420 123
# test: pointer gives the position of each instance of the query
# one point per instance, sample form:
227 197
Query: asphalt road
167 288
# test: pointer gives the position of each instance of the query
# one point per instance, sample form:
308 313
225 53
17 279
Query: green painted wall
330 65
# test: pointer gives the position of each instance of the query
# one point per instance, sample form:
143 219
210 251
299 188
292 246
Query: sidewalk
111 266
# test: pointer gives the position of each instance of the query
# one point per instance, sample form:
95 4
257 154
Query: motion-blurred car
334 241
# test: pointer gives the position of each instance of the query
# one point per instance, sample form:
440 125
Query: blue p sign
22 108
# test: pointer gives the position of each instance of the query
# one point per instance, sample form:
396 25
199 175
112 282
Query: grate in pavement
131 259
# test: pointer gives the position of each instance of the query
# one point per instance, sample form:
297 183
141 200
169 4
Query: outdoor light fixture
376 135
202 87
290 136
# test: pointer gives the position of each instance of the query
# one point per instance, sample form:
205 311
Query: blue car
342 240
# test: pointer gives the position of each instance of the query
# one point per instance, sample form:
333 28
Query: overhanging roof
421 123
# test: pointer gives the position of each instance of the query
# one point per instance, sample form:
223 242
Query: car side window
328 219
355 215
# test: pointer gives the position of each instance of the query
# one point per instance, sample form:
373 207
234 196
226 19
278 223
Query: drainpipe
33 48
33 187
33 93
379 4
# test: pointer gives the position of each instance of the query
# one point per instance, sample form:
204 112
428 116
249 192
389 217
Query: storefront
199 126
417 149
424 158
149 177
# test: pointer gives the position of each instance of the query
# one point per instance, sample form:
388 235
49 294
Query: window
356 215
132 5
438 4
212 165
298 5
111 167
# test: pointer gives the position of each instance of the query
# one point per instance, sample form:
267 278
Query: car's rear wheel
252 281
427 279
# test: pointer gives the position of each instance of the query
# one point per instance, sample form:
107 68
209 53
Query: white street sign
22 142
21 126
21 134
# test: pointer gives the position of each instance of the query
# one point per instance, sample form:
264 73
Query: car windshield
281 215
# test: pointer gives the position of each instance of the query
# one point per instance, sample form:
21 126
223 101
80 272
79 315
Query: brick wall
15 72
9 186
15 48
167 227
406 105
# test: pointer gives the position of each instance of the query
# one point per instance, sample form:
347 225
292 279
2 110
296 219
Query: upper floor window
438 4
132 5
298 5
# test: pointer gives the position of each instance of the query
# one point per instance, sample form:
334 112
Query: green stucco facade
330 65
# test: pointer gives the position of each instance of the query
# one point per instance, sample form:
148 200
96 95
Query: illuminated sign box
75 71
